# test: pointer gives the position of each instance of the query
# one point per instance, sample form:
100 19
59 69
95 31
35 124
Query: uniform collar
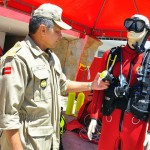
33 47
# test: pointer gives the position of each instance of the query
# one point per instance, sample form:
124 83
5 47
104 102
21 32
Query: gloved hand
147 142
91 128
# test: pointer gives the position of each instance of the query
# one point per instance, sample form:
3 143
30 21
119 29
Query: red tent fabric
102 18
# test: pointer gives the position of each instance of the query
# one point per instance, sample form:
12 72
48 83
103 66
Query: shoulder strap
144 72
113 57
12 52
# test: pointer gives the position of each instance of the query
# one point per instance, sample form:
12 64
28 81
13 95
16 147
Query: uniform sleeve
13 80
98 96
63 83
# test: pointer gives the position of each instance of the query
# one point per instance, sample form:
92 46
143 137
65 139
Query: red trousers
131 137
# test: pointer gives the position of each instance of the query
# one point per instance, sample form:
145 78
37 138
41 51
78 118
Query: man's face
52 36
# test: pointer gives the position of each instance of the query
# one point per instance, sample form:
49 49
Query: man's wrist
90 86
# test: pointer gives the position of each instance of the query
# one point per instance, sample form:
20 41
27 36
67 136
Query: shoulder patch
14 50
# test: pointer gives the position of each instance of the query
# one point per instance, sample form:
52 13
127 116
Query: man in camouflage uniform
31 82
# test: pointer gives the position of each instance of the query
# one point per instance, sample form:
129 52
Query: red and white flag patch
6 70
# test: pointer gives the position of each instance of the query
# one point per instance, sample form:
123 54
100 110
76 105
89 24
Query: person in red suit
121 130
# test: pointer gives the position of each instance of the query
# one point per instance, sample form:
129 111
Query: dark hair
35 22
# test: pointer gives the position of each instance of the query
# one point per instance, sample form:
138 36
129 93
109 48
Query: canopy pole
99 13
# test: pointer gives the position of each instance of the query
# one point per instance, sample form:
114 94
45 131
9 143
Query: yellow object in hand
103 74
71 98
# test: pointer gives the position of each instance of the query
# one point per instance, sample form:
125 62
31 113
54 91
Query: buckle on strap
133 122
109 120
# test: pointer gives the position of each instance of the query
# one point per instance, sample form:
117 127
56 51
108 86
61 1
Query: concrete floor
71 140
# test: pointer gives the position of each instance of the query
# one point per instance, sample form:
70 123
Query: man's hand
91 128
147 142
99 84
13 139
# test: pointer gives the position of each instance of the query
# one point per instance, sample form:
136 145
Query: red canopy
102 18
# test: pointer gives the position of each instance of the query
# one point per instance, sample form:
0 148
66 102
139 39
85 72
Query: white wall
108 44
2 39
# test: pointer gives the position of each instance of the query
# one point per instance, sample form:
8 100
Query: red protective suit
132 134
